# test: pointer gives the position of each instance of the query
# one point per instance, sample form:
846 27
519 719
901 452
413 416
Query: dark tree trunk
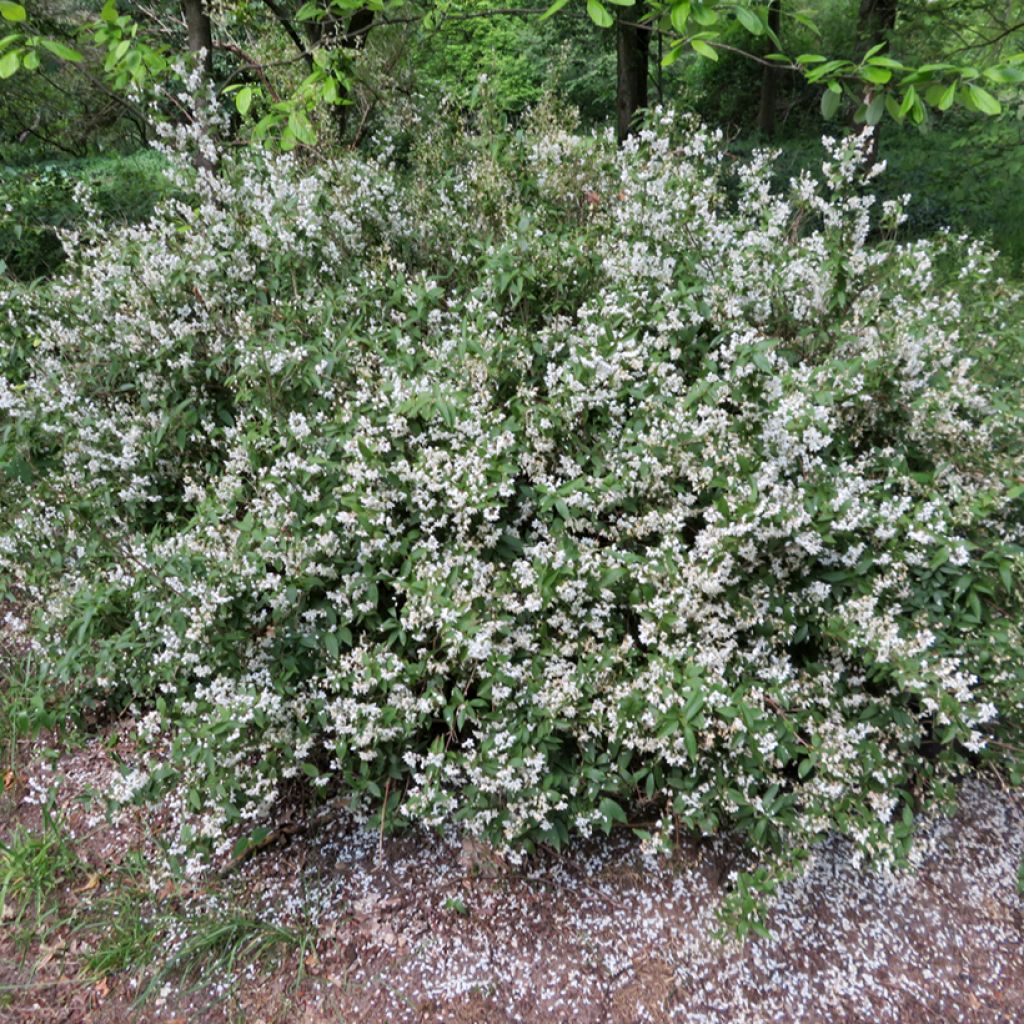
200 38
632 43
200 32
770 79
875 20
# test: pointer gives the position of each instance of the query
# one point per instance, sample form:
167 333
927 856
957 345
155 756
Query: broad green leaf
11 11
553 9
875 109
690 739
703 49
807 22
672 56
750 20
908 101
118 52
879 76
612 811
830 104
9 64
58 49
679 16
984 100
946 99
599 14
300 127
885 62
243 100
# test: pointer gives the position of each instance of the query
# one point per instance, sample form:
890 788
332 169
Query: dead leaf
92 882
9 779
48 953
102 988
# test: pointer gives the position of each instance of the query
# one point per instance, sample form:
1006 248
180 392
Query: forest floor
340 925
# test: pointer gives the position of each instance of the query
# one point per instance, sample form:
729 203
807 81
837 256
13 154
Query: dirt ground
412 931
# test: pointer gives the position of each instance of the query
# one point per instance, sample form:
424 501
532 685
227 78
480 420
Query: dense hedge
528 484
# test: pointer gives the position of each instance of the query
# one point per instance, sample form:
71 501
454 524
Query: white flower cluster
555 483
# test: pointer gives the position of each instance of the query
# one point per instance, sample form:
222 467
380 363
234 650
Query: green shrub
39 202
538 487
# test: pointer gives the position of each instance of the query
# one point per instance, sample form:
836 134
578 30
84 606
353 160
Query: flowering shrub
528 484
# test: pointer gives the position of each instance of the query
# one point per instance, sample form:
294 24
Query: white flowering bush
521 482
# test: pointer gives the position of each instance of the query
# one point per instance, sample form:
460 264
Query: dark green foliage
38 201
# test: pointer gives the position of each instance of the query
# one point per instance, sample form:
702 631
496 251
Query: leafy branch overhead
328 35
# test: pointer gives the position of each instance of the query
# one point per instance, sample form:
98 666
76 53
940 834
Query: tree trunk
632 43
875 19
200 39
200 32
770 79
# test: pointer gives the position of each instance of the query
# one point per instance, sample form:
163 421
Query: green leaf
301 129
750 21
60 50
612 811
679 16
672 56
946 99
117 53
553 9
885 62
8 64
331 643
879 76
875 109
984 100
830 104
807 22
244 100
690 739
703 49
599 14
11 11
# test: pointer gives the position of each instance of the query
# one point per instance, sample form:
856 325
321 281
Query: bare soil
422 930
